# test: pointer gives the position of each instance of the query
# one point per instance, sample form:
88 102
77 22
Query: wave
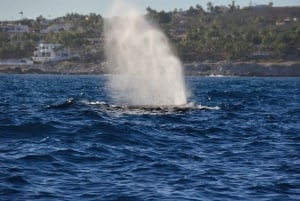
154 109
151 108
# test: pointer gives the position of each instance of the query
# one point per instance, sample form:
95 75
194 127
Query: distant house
261 7
50 52
56 28
180 15
223 9
95 40
286 21
261 55
15 28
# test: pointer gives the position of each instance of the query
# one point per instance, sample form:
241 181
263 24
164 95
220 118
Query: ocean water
61 138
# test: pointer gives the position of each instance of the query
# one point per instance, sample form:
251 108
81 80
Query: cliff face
287 69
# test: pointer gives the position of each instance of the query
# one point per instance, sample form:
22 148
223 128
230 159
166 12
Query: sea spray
145 70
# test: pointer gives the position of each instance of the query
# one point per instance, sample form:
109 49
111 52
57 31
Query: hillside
231 33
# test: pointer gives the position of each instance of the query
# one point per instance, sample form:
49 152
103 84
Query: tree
232 6
271 4
199 8
164 18
150 10
210 7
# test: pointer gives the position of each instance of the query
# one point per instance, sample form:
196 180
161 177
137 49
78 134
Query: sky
50 9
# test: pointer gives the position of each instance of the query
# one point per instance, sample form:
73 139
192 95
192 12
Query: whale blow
145 70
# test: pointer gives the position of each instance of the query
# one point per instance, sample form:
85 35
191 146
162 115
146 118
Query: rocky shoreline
63 68
251 69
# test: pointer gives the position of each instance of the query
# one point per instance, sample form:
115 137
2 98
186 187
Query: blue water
61 139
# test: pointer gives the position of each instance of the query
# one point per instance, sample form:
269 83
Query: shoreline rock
250 69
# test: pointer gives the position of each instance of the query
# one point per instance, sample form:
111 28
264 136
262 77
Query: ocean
62 138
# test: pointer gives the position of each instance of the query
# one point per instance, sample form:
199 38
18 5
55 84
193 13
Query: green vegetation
231 33
217 33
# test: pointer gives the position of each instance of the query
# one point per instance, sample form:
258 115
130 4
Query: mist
144 69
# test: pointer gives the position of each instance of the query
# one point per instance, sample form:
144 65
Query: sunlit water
62 138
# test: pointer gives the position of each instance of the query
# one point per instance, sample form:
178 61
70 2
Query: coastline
249 69
63 68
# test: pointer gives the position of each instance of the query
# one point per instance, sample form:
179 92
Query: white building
56 28
50 52
15 28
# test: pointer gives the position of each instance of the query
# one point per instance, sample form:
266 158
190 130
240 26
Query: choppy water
245 145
